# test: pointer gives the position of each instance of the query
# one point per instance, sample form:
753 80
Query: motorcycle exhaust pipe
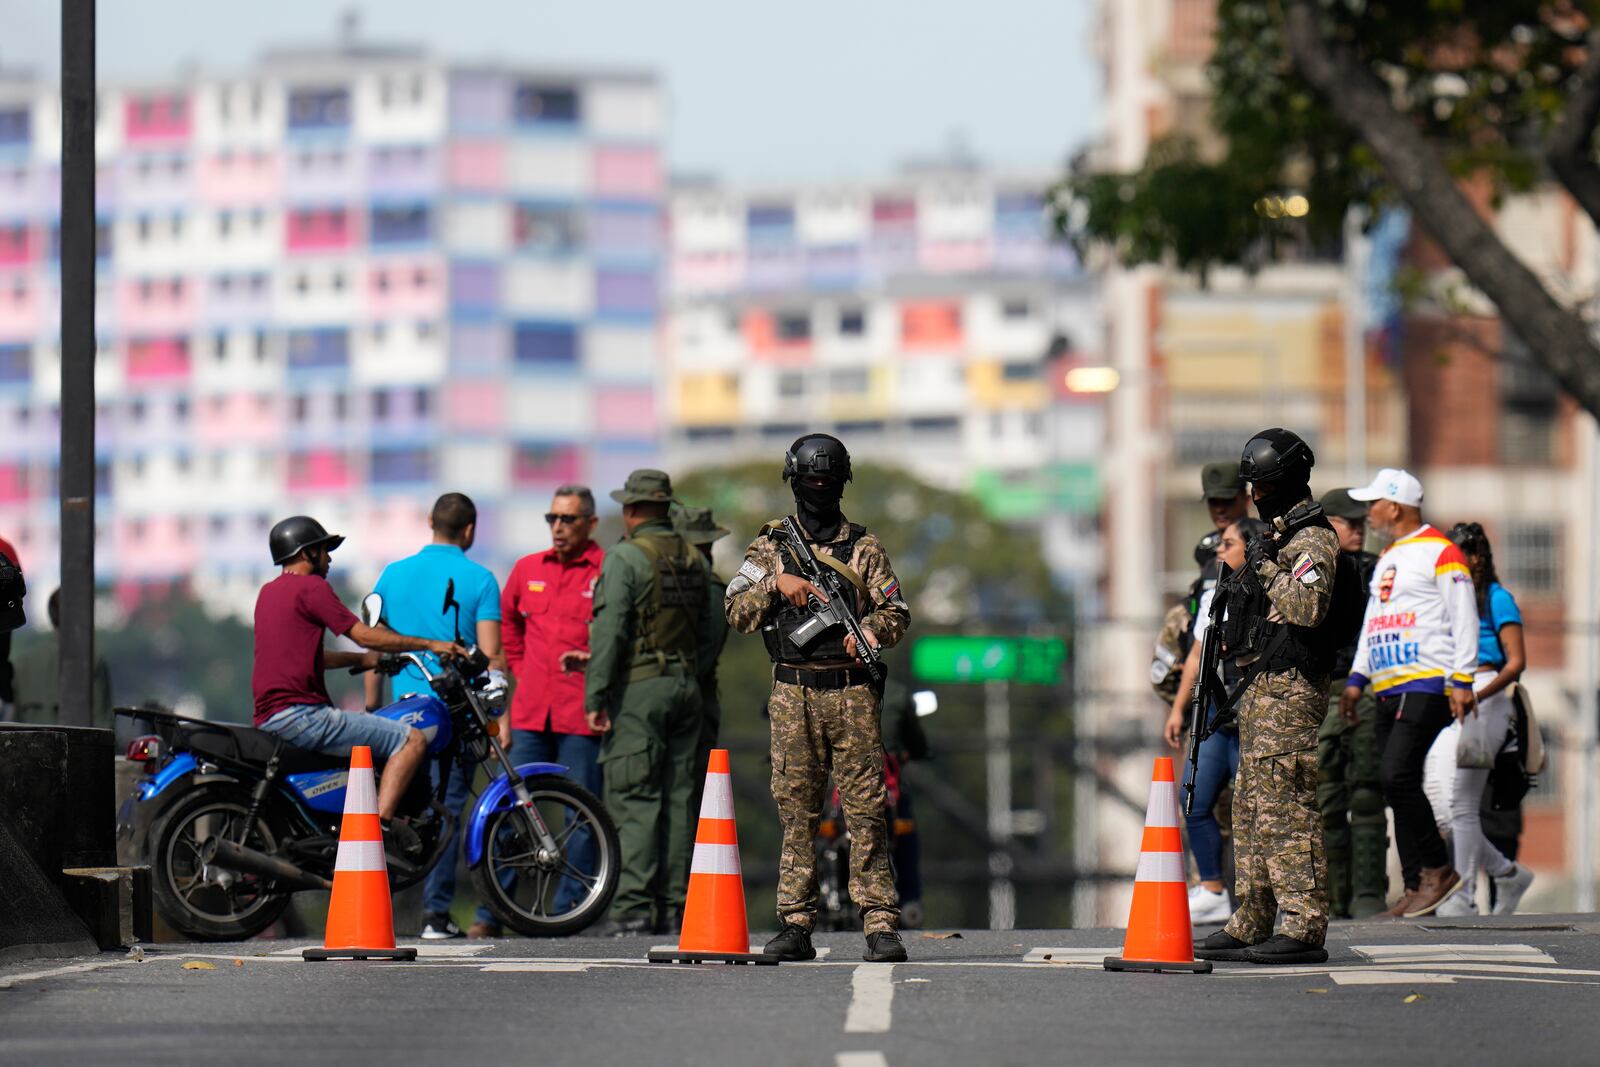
219 852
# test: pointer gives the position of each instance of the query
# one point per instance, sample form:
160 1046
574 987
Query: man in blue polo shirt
413 591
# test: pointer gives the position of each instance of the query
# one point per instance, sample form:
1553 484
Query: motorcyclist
291 696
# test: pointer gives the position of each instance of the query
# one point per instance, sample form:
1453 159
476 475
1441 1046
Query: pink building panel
156 547
393 529
321 471
319 230
625 412
956 257
156 360
707 272
230 419
20 244
539 464
475 407
157 305
245 178
478 165
156 118
405 288
22 305
13 483
627 172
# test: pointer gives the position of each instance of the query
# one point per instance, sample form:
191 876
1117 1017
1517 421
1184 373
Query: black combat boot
626 926
1222 946
793 944
1285 949
885 947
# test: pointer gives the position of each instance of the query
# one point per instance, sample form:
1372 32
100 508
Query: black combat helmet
817 455
1205 549
296 534
1276 457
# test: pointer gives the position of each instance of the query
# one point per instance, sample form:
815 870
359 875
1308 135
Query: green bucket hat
1340 503
1220 481
643 486
696 525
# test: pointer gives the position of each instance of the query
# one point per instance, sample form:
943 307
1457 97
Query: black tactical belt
837 678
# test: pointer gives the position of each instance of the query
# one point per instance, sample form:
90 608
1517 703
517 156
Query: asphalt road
1504 991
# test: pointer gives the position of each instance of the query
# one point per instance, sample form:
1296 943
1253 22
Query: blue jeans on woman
1218 762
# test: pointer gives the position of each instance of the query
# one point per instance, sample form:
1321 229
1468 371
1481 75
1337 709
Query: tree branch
1570 150
1558 338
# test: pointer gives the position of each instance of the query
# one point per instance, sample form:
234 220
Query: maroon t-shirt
292 610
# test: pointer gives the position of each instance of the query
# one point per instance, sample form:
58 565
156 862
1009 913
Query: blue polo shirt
413 592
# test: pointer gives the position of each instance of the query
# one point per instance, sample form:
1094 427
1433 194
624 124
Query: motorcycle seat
233 743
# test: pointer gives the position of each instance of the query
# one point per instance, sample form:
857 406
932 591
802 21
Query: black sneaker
885 947
793 944
436 926
633 926
1285 949
1222 946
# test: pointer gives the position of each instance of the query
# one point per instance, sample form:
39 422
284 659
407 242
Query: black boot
1285 949
1222 946
792 944
626 926
885 947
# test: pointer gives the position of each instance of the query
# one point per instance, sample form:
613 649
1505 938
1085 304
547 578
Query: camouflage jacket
1172 648
753 592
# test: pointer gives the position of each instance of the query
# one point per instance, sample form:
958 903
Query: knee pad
1366 801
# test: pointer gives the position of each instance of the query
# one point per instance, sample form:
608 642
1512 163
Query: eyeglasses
551 518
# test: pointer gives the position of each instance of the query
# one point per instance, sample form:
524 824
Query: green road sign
962 659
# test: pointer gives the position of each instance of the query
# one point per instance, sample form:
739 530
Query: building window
852 322
318 348
219 347
549 229
791 385
398 225
1529 405
1015 308
16 126
312 109
850 381
1019 371
794 326
545 104
421 401
401 465
545 343
380 405
1529 557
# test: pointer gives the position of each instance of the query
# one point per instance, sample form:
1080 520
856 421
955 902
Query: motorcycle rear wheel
520 889
205 902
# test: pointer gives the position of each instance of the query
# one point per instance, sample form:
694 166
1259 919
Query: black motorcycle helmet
1276 456
296 534
13 588
817 455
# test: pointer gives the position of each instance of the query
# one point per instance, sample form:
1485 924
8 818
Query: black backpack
1342 625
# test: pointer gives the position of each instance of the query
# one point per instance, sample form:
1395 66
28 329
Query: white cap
1400 486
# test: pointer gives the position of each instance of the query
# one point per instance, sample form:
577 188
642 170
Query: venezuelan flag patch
890 588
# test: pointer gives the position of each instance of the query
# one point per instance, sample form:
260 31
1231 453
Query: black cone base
359 954
1117 963
673 955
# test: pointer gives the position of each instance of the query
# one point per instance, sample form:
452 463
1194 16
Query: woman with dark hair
1219 753
1502 656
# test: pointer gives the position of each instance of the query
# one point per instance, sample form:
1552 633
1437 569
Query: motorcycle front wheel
199 900
544 894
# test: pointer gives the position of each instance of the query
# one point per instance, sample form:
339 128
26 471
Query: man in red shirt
544 625
291 696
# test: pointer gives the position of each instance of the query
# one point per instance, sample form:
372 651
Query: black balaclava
1279 497
818 507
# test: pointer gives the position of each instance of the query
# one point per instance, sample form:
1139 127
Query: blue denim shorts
328 730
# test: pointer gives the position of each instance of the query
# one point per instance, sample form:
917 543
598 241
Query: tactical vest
668 629
829 647
1247 632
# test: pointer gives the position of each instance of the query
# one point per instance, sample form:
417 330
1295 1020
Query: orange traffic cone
360 920
714 924
1159 936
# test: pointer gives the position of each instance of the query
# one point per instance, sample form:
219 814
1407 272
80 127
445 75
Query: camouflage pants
1277 825
813 731
1353 821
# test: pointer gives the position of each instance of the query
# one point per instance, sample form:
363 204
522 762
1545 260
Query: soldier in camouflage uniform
1177 626
824 708
1278 844
642 691
699 528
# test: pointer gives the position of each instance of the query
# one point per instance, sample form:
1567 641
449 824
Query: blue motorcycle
245 820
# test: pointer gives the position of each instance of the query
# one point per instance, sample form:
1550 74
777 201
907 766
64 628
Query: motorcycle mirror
449 603
372 609
925 702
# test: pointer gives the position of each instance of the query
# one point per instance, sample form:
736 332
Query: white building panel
539 288
237 114
476 467
548 168
551 407
620 353
707 222
833 217
478 228
319 292
155 241
929 386
706 337
1007 325
398 353
955 209
405 104
622 110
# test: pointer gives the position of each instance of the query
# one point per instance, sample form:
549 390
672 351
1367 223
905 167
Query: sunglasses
551 518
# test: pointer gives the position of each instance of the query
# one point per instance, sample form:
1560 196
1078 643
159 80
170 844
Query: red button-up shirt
545 610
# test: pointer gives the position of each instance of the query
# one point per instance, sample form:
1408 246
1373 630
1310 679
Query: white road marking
1376 977
57 972
860 1059
534 967
1387 954
871 998
425 950
1096 956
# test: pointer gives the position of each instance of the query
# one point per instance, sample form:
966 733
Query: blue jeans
580 754
1219 761
439 888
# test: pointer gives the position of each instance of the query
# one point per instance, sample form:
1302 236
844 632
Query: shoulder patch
752 571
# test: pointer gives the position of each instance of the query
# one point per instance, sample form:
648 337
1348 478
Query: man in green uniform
699 528
38 678
824 706
642 690
1348 790
1274 630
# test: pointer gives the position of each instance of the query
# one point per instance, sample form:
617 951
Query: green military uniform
815 729
700 529
650 624
37 683
1277 826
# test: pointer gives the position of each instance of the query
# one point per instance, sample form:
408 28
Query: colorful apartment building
333 283
922 319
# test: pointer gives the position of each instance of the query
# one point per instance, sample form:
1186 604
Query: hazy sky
760 91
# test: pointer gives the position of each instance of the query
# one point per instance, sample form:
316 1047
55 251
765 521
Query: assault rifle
1208 687
837 611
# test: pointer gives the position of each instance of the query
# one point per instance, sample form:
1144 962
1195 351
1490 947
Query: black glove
1259 549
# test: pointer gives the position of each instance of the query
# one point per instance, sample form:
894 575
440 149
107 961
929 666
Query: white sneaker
1457 905
1208 907
1508 890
